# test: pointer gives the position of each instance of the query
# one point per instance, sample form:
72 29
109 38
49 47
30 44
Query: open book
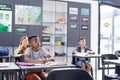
4 64
55 63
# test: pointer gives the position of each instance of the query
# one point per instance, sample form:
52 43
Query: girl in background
21 49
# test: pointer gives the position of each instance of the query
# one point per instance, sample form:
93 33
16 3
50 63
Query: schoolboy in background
82 48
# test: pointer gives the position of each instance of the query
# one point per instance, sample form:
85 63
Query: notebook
24 64
4 64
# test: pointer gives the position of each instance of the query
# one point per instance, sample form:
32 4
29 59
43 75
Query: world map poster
5 18
28 15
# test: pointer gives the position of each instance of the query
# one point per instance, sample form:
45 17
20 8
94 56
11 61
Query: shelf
61 7
45 33
53 45
54 22
48 17
48 5
55 26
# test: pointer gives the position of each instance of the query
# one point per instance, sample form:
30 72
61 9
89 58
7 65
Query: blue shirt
78 49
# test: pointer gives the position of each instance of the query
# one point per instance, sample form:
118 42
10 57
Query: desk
43 66
18 57
90 56
116 62
12 70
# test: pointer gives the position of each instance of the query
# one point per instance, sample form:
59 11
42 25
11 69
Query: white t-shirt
40 54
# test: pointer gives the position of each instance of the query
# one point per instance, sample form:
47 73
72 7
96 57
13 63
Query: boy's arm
40 61
90 51
49 58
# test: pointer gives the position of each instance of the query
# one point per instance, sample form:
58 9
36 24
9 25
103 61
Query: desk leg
103 72
1 76
23 74
96 67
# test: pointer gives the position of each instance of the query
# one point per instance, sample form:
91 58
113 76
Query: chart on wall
5 18
28 15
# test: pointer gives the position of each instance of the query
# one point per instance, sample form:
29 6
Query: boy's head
82 42
34 41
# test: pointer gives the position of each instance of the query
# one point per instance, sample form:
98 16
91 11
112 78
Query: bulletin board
14 24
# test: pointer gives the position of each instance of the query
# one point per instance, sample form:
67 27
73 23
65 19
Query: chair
18 58
117 53
110 57
74 59
68 74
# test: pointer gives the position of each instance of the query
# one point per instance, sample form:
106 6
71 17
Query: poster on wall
28 15
73 26
46 39
21 30
73 10
85 11
5 18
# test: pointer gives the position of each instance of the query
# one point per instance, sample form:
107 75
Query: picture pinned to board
84 19
73 26
58 40
28 15
84 27
21 30
73 18
46 29
85 11
5 18
73 10
46 39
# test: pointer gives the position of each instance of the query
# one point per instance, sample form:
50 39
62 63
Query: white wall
94 24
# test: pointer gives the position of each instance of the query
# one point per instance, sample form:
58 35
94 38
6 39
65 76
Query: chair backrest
73 60
117 53
19 58
68 74
108 56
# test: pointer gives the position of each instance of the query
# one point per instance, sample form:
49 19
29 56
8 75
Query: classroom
59 40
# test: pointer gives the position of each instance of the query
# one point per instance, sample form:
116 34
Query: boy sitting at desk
36 54
82 48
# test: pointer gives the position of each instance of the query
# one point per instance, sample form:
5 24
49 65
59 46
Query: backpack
4 51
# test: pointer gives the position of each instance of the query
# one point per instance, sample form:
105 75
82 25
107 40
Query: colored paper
5 18
73 10
30 15
85 11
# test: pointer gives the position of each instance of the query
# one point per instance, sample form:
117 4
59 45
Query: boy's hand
90 52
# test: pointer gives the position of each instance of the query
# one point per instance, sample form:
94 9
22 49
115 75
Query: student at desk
22 48
82 48
36 54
